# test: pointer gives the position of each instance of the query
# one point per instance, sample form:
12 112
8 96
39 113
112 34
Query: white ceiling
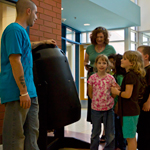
79 12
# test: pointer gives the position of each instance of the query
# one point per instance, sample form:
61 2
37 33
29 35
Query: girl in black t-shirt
128 108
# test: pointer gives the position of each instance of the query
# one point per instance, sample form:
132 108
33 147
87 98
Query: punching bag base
59 104
66 142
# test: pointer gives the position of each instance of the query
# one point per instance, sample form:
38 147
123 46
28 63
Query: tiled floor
81 129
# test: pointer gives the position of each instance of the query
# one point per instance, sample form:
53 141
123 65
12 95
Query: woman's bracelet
24 94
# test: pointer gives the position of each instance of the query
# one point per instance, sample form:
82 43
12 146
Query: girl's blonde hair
102 57
136 59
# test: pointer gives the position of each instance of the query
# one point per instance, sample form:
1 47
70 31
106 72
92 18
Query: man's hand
25 101
51 41
37 43
146 106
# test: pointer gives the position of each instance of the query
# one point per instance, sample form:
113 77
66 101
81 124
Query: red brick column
48 25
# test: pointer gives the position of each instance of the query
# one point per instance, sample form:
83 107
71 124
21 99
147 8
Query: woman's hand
86 66
86 61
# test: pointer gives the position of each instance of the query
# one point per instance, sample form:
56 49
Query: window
134 28
117 40
133 36
145 39
70 46
70 54
133 46
116 35
88 37
70 34
83 37
119 47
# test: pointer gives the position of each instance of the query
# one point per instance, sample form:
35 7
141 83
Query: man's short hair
146 50
22 5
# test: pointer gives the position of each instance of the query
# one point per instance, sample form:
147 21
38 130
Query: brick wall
48 25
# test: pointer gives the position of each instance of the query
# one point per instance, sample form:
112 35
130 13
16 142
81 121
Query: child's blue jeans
20 127
108 120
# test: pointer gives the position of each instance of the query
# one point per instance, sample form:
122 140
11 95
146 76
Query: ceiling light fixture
62 8
63 19
86 24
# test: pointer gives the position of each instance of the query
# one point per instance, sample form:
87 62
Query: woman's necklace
99 49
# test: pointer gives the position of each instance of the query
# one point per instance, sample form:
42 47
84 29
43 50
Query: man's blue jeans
20 127
107 117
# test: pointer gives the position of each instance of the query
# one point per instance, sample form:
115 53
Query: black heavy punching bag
58 99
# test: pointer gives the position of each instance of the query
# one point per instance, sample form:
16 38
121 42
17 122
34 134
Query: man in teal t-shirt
15 40
17 89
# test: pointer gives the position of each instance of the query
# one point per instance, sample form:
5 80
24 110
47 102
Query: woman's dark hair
99 30
118 68
112 56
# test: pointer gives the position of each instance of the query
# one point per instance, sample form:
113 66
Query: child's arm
114 84
125 94
113 95
90 91
146 105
